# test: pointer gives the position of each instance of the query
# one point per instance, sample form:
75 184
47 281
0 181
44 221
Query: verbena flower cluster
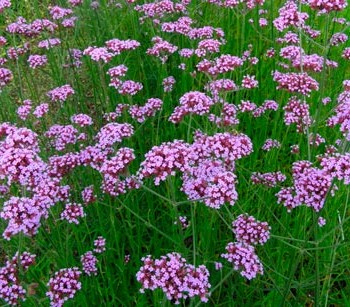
63 286
11 288
175 277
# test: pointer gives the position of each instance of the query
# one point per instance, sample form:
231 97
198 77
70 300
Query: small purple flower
89 262
100 245
71 213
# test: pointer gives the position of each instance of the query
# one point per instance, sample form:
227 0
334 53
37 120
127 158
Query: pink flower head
63 286
297 112
75 2
249 82
61 136
321 221
99 245
168 83
270 144
49 43
71 212
244 259
211 183
129 87
11 290
98 54
163 161
89 262
328 5
4 4
140 113
268 179
6 77
88 195
161 49
295 82
23 215
117 46
113 133
82 120
250 231
177 279
191 103
36 61
57 12
289 15
41 110
61 94
310 187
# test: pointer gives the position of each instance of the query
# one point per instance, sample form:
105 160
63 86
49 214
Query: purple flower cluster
140 113
99 245
112 169
289 16
211 183
250 231
327 6
41 110
58 12
127 87
99 54
337 166
4 4
23 214
191 103
89 262
159 9
61 94
161 49
11 290
36 61
297 112
168 83
244 259
162 161
268 179
6 77
270 144
72 212
49 43
342 114
295 82
63 286
249 82
207 46
22 28
310 187
88 195
228 116
82 120
175 277
117 46
223 64
24 110
113 133
61 136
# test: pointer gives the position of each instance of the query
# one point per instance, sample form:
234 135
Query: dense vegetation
190 152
